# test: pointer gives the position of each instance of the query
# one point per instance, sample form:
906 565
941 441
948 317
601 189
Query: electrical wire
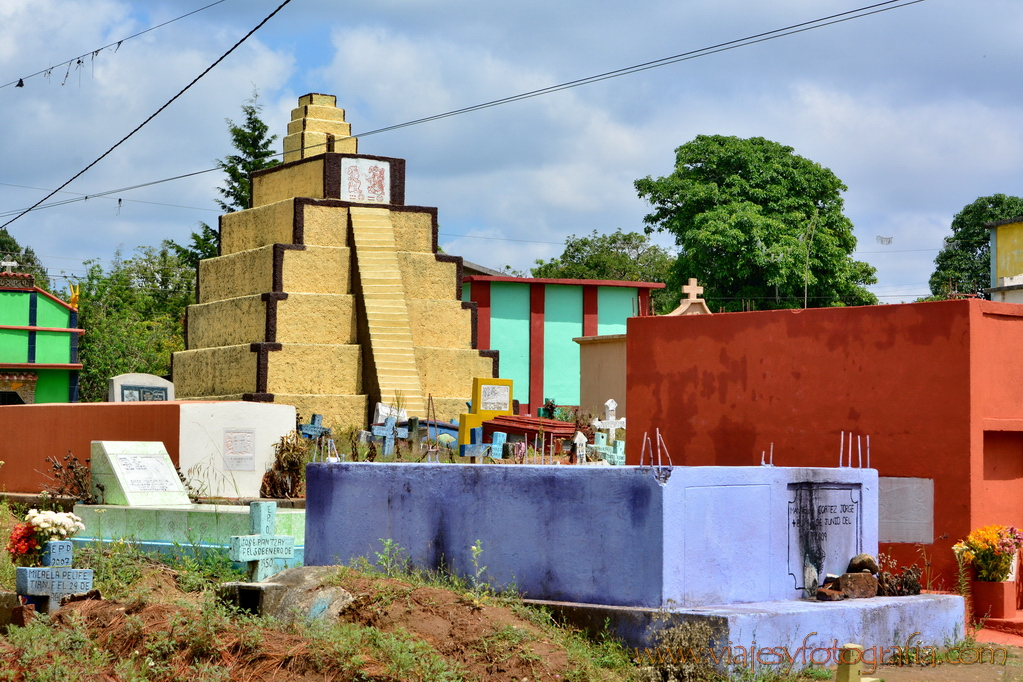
693 54
116 43
83 197
155 114
684 56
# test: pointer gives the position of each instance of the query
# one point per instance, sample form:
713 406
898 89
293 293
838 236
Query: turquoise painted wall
52 386
563 314
509 333
51 314
614 306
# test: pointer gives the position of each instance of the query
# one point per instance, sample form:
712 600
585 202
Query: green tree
964 263
26 259
621 255
133 314
254 153
758 225
253 145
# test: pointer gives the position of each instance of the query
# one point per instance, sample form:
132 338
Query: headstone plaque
139 387
261 549
240 449
825 530
55 579
135 473
495 397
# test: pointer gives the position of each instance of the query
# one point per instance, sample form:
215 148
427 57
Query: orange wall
723 387
31 433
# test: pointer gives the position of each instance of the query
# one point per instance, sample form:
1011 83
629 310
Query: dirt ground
483 640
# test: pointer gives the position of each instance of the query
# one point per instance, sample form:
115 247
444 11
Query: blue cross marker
55 580
315 428
388 432
262 548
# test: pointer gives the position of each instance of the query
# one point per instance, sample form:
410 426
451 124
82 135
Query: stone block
857 585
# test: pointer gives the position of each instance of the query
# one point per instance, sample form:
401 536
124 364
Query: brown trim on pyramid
262 351
271 299
277 276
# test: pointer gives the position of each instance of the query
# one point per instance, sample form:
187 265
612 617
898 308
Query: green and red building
533 322
38 344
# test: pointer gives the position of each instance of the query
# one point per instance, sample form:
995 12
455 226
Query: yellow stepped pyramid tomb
329 293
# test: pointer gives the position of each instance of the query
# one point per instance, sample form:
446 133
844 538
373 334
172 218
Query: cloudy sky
918 110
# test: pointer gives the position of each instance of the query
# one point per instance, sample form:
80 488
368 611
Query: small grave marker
262 548
55 579
610 423
315 428
497 441
476 448
389 431
580 446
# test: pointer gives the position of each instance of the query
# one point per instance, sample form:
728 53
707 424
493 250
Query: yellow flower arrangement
991 550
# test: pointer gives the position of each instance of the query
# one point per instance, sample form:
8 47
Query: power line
83 197
157 112
684 56
116 45
693 54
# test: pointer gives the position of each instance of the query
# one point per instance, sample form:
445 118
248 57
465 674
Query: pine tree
254 153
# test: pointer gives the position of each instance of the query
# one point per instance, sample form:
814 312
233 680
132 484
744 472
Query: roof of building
569 282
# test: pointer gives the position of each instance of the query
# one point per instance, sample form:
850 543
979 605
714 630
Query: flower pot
994 600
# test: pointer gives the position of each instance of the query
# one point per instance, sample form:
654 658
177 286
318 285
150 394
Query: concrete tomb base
200 527
881 622
738 547
608 535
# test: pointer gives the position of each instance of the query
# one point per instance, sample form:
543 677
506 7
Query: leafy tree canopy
622 255
26 259
964 263
133 314
758 224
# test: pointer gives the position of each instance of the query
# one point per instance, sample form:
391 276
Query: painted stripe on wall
480 294
590 310
536 346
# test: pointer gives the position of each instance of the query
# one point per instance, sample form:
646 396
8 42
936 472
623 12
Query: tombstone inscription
825 530
136 473
55 579
262 548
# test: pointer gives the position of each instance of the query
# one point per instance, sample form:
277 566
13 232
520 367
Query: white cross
8 264
610 422
691 290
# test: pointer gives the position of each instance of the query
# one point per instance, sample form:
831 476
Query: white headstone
225 447
382 412
135 473
128 388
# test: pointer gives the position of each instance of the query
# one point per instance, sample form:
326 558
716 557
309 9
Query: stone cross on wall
610 423
691 290
388 432
262 548
55 579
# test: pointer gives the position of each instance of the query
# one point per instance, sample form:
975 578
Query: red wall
31 433
723 387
